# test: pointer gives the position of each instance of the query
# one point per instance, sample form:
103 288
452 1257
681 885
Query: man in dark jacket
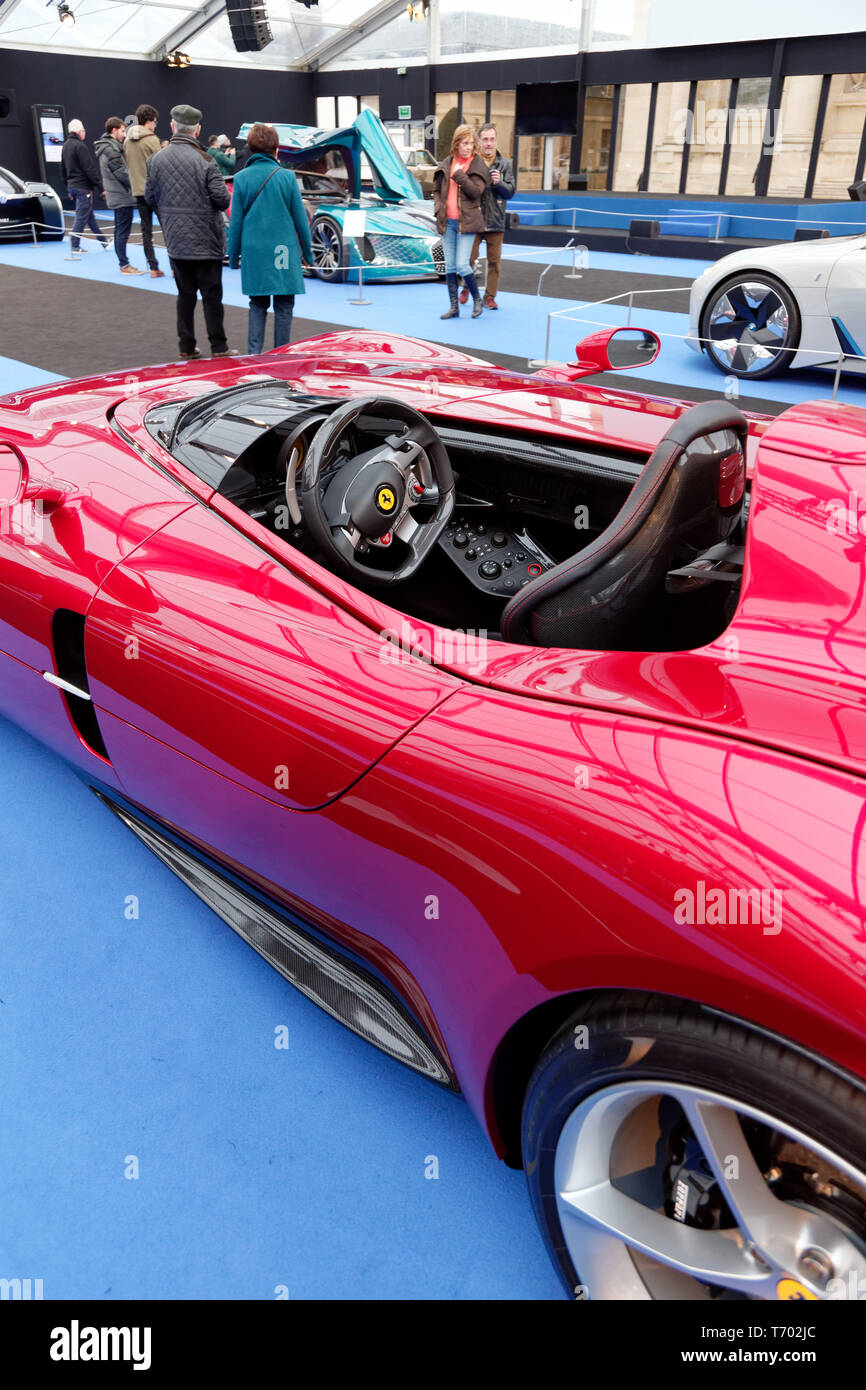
118 189
188 191
81 172
493 207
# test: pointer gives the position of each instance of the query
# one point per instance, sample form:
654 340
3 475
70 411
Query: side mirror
615 350
11 476
17 483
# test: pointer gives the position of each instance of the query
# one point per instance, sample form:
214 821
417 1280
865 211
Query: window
372 103
706 136
746 132
446 122
347 110
595 148
631 137
669 137
840 137
502 116
326 113
474 109
793 145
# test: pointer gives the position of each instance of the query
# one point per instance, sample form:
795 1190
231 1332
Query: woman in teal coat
268 236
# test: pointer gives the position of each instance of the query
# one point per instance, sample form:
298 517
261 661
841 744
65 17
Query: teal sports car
366 209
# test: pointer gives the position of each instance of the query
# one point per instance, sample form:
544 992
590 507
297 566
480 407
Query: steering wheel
358 506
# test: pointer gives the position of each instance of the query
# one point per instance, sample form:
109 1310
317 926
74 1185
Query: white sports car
758 311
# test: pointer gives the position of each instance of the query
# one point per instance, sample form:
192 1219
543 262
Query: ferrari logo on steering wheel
386 500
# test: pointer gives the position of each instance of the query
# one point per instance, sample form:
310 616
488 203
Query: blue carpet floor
519 327
153 1039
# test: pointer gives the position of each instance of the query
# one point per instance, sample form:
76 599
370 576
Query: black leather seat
612 595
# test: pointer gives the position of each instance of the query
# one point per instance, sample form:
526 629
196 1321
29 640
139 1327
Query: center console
494 557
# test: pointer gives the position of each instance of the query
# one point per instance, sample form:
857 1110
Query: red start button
533 570
386 539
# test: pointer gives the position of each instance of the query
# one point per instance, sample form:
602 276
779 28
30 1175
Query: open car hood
391 177
392 181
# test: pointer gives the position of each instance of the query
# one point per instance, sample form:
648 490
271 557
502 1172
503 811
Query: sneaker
490 302
156 272
463 296
186 355
106 245
226 352
129 270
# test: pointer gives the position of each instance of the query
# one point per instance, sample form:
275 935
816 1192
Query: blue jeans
122 229
284 306
84 217
457 247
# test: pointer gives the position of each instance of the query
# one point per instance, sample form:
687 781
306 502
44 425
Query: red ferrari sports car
521 724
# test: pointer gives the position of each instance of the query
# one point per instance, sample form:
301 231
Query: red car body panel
497 828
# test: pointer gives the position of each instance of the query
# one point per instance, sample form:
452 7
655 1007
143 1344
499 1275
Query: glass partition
474 109
793 145
446 122
746 131
502 115
669 137
597 125
706 136
634 104
840 137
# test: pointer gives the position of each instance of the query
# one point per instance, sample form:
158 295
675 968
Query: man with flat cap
187 189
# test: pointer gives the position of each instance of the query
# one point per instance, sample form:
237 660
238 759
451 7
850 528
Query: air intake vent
71 678
339 985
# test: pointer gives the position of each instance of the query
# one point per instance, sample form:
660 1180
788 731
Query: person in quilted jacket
187 189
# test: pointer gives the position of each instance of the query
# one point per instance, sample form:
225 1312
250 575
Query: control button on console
471 553
499 538
490 570
461 539
531 570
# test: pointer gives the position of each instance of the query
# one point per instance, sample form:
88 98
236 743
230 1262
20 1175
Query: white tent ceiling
332 33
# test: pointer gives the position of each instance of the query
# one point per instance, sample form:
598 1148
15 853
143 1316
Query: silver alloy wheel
749 325
327 248
624 1246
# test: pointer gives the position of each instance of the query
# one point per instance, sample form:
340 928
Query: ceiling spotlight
178 59
417 10
65 15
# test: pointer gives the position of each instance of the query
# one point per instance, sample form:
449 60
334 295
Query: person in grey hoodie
118 189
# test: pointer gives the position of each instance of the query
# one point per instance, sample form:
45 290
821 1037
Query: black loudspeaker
248 22
643 227
857 191
810 233
7 107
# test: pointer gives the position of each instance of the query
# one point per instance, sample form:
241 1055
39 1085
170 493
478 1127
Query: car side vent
337 983
71 678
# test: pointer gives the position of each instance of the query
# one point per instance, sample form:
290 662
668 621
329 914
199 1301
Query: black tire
675 1044
330 254
779 297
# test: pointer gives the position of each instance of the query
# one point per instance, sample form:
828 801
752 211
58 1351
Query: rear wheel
674 1154
329 250
750 326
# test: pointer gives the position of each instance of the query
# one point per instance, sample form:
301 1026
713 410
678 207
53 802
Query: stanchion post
545 360
630 303
838 374
360 299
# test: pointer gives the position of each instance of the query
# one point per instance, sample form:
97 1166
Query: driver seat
613 595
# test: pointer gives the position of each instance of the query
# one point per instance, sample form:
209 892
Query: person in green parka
268 236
